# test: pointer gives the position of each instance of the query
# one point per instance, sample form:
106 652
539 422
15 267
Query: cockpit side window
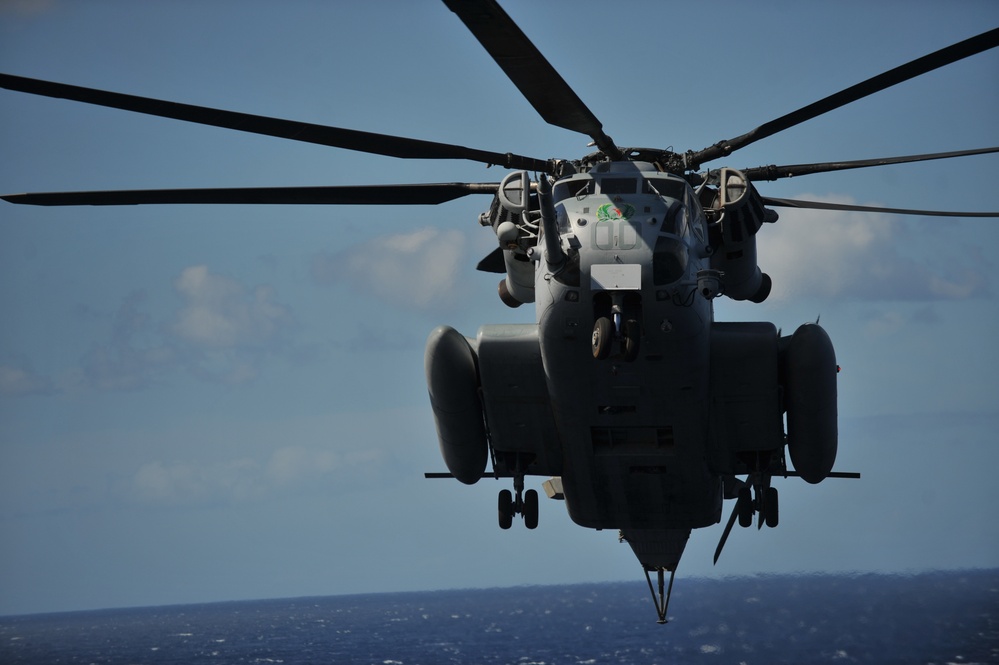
676 219
696 213
567 189
669 260
562 219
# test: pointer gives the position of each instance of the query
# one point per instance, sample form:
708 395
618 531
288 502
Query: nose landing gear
621 327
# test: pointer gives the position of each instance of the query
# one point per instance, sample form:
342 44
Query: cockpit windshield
575 187
618 185
657 185
670 187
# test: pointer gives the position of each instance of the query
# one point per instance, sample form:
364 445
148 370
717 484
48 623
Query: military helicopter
641 410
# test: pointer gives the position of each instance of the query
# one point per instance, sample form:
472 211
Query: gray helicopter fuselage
640 407
633 426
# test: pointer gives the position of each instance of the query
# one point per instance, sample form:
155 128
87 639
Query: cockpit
658 184
628 205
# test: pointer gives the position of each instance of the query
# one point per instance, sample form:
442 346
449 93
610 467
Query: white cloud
15 381
223 332
219 312
418 270
296 464
886 322
289 469
862 256
225 328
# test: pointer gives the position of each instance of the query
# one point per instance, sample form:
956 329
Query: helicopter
626 338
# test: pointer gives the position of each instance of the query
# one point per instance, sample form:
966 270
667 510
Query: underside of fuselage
634 434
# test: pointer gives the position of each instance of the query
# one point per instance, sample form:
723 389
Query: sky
205 403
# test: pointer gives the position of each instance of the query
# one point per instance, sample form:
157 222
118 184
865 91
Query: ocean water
950 617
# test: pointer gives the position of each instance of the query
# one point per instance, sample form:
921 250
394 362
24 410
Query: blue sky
216 403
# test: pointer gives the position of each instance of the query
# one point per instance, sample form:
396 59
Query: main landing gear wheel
525 506
506 509
603 337
531 509
771 512
766 504
744 506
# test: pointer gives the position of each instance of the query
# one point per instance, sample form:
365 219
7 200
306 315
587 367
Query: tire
771 510
603 336
632 337
745 507
531 509
505 509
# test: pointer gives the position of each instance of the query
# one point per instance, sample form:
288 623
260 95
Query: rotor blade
774 172
726 532
917 67
820 205
421 194
530 71
349 139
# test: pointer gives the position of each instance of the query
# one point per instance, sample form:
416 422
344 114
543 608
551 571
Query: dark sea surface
950 617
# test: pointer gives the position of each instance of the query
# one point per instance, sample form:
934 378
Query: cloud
184 483
884 322
223 332
861 256
225 329
288 470
417 270
220 313
19 381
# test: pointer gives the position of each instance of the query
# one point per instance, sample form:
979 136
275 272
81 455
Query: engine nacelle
808 367
512 216
737 213
517 287
453 383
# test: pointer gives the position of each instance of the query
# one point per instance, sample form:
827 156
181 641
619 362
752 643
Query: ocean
944 617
